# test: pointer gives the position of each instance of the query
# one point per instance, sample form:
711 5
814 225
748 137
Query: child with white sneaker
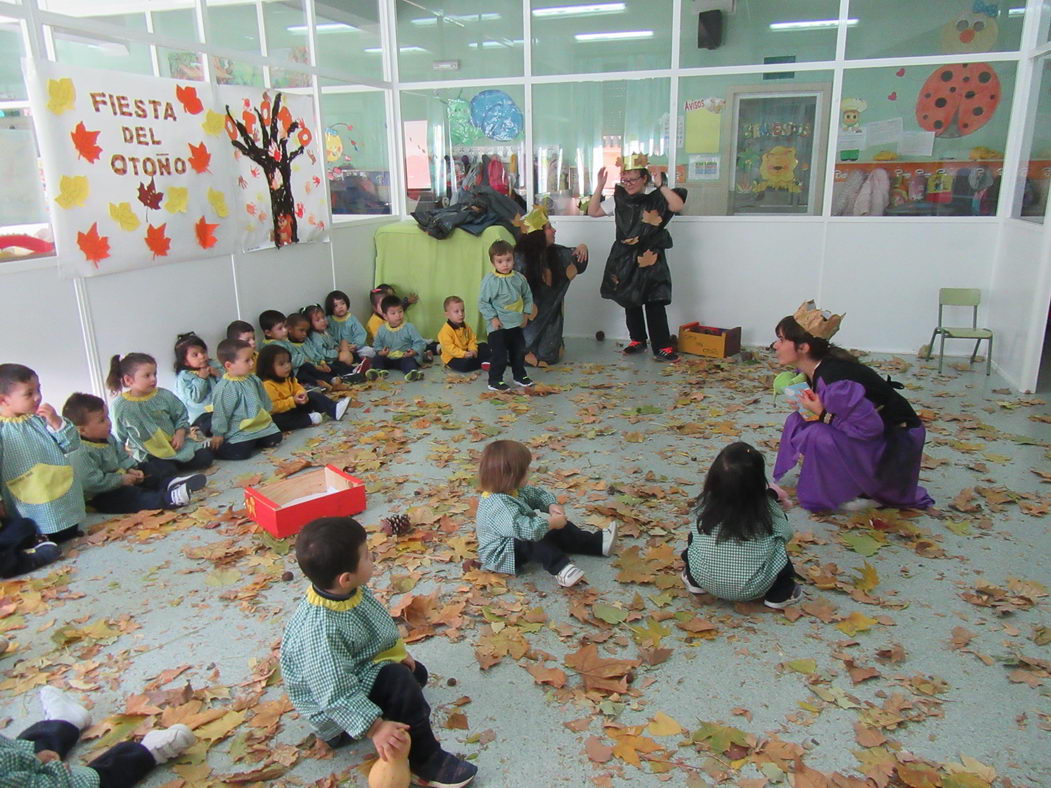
511 532
292 407
35 758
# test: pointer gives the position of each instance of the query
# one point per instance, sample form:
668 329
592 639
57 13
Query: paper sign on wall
703 125
916 143
884 132
703 167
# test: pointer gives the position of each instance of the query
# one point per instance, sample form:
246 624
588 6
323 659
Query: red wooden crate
275 508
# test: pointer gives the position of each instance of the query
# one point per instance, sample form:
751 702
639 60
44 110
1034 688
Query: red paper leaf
187 96
149 196
205 233
157 241
94 246
84 142
200 158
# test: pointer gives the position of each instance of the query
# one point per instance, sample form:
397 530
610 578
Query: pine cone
396 524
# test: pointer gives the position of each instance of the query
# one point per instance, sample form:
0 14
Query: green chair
961 296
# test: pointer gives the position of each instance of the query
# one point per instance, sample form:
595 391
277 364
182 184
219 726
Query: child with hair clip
36 478
517 524
292 407
151 421
320 345
345 328
241 421
195 377
736 549
377 318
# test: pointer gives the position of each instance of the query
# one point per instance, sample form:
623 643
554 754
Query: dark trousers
204 423
121 766
406 363
653 315
165 469
507 345
550 552
242 450
299 416
470 364
151 494
309 375
16 534
341 369
398 692
778 592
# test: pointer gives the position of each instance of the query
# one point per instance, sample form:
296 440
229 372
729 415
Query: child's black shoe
43 554
525 381
634 347
444 770
499 386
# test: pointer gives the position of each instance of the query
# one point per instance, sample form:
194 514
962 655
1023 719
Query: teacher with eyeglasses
637 275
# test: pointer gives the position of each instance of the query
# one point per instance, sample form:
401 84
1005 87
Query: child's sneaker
414 374
376 374
499 386
43 554
569 576
57 705
354 378
180 487
194 481
609 538
797 594
666 354
444 770
341 408
485 366
690 586
315 418
169 743
524 382
363 366
634 347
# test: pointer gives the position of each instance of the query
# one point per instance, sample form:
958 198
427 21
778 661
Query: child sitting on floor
243 330
345 328
36 478
377 318
460 349
112 481
736 549
275 331
398 344
22 548
195 377
241 421
151 421
511 532
292 407
316 352
346 668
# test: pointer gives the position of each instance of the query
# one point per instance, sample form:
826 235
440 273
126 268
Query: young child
344 665
241 421
511 533
243 330
195 377
22 548
292 406
377 318
506 302
337 354
460 349
151 421
36 757
36 478
346 329
275 331
328 371
112 481
398 344
736 549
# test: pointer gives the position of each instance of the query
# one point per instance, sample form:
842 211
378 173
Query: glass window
178 64
893 28
23 211
760 31
1031 199
234 25
580 127
753 143
922 140
98 51
286 40
356 158
456 137
349 41
12 87
575 37
232 72
459 40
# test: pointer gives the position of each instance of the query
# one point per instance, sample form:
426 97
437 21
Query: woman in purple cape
863 443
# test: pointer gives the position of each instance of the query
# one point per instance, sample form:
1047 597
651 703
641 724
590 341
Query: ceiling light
459 19
496 44
379 50
325 27
1016 12
623 35
579 10
810 24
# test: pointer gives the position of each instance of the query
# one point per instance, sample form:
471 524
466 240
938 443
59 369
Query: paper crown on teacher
818 323
633 161
535 220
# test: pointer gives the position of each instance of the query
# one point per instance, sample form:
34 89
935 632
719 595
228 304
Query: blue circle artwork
497 115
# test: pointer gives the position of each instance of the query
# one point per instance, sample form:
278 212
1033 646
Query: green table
412 261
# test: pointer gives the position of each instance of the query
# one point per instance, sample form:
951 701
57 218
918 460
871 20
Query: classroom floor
920 655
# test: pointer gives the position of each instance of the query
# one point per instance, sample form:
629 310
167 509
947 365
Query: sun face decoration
971 31
333 146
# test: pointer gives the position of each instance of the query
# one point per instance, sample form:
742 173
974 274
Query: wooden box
284 507
701 340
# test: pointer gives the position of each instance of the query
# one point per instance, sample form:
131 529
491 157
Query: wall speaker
709 30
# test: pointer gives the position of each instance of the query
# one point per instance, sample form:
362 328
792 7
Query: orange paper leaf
85 142
94 246
647 258
157 241
205 233
200 158
187 95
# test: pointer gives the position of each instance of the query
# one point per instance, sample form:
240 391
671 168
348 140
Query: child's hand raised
388 737
412 298
48 414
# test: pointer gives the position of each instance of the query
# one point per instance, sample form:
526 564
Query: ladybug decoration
958 99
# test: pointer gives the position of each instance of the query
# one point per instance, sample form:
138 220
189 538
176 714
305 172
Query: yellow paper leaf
73 190
663 725
218 203
123 215
61 95
213 122
178 197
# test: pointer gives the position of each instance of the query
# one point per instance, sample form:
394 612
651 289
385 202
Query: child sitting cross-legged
292 407
398 344
241 421
276 331
378 318
112 481
345 328
460 349
319 348
346 668
511 530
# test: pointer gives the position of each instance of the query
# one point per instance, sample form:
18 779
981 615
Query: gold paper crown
535 220
816 322
633 161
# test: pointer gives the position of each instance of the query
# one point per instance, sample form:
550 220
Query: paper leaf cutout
85 142
205 233
61 95
149 196
200 158
94 246
157 241
647 258
218 203
178 198
213 122
73 190
187 95
652 217
123 215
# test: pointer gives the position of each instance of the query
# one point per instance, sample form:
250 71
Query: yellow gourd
393 773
